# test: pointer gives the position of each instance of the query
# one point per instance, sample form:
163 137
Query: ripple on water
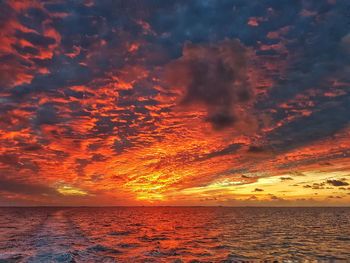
120 233
163 253
11 258
174 234
104 249
146 238
238 258
66 257
129 245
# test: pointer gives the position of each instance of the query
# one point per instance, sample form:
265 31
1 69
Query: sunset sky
151 102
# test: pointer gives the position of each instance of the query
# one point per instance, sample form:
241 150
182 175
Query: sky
203 102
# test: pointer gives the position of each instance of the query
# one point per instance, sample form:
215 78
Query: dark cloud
9 159
121 145
286 178
46 114
80 165
18 162
26 50
325 121
321 59
98 158
316 186
258 190
337 182
226 151
33 18
36 39
255 149
31 147
315 159
275 198
19 187
335 197
64 73
213 75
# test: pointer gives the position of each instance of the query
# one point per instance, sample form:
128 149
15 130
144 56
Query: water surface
174 234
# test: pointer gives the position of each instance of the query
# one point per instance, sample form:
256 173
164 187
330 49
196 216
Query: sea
174 234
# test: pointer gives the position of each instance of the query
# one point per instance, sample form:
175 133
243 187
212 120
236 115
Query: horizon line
137 206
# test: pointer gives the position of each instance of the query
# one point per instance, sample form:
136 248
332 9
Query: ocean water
174 234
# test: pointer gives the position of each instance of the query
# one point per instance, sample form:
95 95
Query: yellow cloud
70 190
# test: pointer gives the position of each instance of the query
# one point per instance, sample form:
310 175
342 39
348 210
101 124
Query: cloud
226 151
70 190
275 198
46 114
26 188
256 149
36 39
84 101
337 182
335 197
64 73
286 178
9 159
214 75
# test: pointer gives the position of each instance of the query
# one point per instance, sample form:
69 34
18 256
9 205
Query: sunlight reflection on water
174 234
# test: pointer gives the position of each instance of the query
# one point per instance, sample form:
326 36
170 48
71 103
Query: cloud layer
200 102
